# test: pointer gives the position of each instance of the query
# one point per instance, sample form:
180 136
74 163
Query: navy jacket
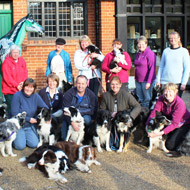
88 105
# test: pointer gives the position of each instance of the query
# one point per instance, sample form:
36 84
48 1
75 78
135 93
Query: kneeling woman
118 99
27 100
174 108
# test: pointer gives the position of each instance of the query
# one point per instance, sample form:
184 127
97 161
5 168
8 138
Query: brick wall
36 52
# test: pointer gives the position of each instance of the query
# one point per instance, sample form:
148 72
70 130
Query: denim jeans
94 85
26 136
144 95
66 123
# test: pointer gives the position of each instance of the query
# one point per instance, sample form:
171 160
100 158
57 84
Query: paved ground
134 170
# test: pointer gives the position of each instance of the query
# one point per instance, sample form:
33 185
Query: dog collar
7 137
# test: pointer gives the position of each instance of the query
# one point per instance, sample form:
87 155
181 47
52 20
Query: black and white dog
8 131
65 86
76 117
95 61
48 128
156 125
50 160
98 133
124 126
3 112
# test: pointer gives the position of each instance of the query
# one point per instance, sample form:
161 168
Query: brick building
102 20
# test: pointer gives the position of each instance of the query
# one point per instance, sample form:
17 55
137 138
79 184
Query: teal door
6 24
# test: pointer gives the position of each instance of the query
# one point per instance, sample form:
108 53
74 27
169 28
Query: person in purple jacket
145 64
174 108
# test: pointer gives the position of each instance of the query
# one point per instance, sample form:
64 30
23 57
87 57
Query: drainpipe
97 21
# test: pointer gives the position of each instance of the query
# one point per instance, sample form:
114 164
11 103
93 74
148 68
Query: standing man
83 99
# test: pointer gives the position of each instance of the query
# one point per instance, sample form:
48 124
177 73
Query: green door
6 22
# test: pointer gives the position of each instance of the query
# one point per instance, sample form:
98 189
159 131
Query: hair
82 76
142 38
171 86
176 33
29 82
54 77
14 47
84 38
115 78
116 41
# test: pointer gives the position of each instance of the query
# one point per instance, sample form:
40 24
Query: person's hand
94 55
158 84
76 126
19 87
182 87
113 114
32 120
147 86
93 67
116 70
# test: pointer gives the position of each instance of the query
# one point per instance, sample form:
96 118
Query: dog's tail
173 154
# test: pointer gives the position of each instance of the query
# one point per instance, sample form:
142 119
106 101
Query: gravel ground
134 169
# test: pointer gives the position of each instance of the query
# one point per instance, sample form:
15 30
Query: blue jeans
66 123
26 136
94 85
144 95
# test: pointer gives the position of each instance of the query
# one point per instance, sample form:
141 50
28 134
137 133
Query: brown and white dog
50 160
81 156
72 135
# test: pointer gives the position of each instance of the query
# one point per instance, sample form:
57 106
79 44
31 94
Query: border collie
156 93
3 112
65 86
156 125
124 126
98 133
48 128
94 61
72 135
8 131
81 156
50 160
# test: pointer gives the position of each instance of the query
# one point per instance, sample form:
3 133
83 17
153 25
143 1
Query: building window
66 18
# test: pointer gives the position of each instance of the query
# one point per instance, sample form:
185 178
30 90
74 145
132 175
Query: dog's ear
158 113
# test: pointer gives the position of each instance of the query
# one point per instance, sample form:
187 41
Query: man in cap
59 62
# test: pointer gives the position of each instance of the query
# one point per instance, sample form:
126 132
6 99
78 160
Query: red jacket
13 73
123 74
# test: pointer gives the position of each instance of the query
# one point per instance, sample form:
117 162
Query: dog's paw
119 151
108 149
99 149
63 180
97 163
13 155
149 151
89 171
5 155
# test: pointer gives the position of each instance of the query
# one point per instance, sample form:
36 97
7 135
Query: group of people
172 77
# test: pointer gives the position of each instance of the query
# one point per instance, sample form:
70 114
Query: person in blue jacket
59 63
83 99
27 100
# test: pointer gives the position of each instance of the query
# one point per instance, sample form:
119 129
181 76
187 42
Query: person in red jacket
123 62
14 74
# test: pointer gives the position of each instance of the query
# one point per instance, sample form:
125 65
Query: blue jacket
22 102
88 105
67 63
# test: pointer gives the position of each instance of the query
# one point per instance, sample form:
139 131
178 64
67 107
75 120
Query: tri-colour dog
156 125
98 133
81 156
8 131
